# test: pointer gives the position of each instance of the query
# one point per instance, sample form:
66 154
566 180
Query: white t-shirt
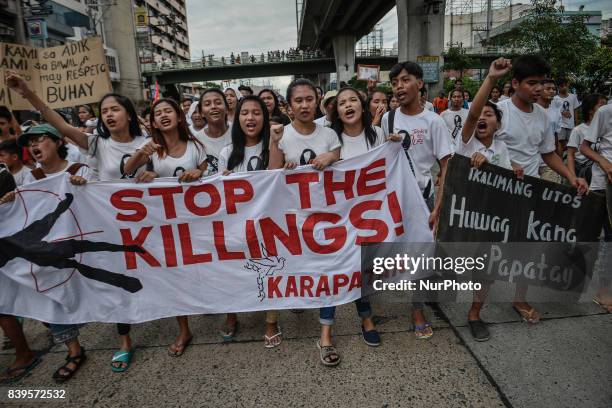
355 145
213 146
75 154
429 106
196 133
252 158
503 98
83 172
600 131
111 156
301 149
21 175
576 137
169 166
527 135
567 104
430 140
323 121
454 122
496 154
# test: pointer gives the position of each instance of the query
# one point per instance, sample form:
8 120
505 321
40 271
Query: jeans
64 333
326 314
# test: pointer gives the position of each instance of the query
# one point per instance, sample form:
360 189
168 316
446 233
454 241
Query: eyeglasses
36 139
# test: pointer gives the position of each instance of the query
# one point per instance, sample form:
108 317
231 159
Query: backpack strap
38 173
391 120
74 168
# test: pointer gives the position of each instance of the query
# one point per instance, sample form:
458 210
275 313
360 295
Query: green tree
598 70
563 40
457 59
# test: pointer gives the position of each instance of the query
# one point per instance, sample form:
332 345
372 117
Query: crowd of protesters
527 125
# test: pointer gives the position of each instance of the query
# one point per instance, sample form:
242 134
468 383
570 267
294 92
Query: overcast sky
221 26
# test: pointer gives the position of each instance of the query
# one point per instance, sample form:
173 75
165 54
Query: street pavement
566 361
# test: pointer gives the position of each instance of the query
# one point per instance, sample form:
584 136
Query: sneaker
371 338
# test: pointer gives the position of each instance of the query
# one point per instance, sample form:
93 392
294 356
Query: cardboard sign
491 204
68 75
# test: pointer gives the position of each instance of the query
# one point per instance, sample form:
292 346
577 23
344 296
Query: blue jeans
63 333
326 314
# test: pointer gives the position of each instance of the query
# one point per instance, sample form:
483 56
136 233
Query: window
112 64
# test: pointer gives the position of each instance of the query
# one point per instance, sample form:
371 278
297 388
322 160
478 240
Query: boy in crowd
549 90
576 161
424 96
426 141
568 104
245 90
10 155
7 130
600 133
526 131
455 116
326 106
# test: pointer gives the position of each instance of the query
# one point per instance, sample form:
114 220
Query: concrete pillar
421 32
344 52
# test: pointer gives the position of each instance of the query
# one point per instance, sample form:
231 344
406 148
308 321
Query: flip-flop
607 308
181 348
270 342
423 332
530 316
122 356
229 332
25 371
327 352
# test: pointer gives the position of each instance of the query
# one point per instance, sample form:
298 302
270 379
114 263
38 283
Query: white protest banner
250 241
67 75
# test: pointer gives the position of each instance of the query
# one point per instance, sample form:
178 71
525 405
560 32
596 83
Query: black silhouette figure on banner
307 156
255 163
29 245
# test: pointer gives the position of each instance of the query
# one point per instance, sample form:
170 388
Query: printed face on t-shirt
307 156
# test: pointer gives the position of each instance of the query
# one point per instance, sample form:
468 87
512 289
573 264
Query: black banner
491 204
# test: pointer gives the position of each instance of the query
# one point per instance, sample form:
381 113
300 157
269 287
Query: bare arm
435 213
19 85
571 151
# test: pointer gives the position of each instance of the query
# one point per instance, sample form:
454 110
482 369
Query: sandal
179 348
69 372
9 374
124 358
329 355
479 330
530 316
273 341
228 332
423 332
